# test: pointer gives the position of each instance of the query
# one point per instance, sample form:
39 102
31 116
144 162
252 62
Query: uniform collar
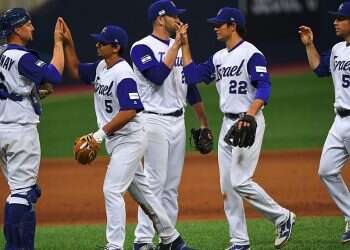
239 43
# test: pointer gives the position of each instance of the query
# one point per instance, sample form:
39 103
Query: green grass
310 233
298 116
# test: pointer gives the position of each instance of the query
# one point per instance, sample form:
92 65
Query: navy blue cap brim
216 20
99 38
181 11
336 13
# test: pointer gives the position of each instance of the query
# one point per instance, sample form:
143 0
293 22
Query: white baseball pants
125 173
237 167
335 153
163 163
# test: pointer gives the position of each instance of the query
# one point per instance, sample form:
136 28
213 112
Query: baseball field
71 211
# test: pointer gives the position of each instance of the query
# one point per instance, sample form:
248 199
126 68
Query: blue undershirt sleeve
87 72
196 73
323 69
128 96
145 61
38 71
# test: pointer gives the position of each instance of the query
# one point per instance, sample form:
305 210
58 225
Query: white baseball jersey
232 77
171 95
340 70
109 93
20 112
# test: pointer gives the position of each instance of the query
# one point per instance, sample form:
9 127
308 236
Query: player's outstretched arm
58 53
307 38
72 60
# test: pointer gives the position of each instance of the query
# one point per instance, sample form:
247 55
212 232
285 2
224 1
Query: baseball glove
242 136
85 149
203 139
45 89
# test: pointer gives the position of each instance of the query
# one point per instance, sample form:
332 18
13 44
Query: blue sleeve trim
323 69
193 95
128 96
196 73
52 75
157 74
87 72
263 91
257 68
32 68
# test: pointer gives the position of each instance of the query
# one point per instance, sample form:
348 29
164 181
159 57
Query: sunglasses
103 43
218 25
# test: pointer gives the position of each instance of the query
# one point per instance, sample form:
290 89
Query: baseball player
243 84
21 74
157 62
336 148
117 107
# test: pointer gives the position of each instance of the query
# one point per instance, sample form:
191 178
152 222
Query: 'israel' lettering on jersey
103 90
228 71
233 80
6 62
341 65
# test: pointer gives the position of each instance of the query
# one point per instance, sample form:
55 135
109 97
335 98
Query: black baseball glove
203 139
242 136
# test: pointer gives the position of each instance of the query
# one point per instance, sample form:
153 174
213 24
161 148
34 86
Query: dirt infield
73 194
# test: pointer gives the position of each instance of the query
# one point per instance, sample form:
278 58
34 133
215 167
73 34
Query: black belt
343 112
234 116
176 113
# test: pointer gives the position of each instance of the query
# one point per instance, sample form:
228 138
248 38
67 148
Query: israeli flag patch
145 59
134 96
40 63
261 69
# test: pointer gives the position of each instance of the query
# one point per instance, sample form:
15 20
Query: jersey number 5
109 107
346 81
238 88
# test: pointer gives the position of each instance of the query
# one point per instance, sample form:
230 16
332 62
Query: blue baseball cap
112 34
163 7
228 15
343 10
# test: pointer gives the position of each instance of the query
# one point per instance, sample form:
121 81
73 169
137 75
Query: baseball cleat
178 244
346 235
143 246
284 231
238 247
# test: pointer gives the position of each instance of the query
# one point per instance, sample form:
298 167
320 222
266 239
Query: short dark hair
241 30
121 49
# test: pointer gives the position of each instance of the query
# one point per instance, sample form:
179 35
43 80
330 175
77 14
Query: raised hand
67 35
58 33
183 33
306 35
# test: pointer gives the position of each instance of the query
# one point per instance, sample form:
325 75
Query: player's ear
160 20
116 48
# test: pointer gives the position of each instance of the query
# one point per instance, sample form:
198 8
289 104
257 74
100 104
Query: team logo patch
161 13
134 96
145 59
40 63
261 69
